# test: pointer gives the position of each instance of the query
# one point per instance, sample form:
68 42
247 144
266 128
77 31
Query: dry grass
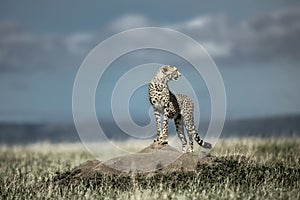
272 172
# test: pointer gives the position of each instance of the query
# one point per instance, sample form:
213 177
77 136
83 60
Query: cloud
267 37
271 36
21 50
78 43
26 51
128 22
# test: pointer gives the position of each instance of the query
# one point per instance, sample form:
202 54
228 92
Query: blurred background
255 44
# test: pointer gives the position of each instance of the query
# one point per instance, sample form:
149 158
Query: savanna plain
248 168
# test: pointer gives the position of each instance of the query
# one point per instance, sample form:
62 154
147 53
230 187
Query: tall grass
270 169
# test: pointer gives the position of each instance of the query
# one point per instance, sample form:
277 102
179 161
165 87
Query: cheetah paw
163 142
190 150
184 150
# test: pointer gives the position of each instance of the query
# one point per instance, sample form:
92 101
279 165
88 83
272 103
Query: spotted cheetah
173 106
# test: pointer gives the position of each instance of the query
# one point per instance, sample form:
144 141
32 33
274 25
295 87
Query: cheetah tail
202 143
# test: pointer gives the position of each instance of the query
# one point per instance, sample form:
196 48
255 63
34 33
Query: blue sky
254 43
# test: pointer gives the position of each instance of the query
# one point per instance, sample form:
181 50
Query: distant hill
16 133
279 126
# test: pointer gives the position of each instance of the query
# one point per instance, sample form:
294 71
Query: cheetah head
170 72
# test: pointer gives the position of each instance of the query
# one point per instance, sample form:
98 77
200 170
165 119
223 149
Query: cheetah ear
164 69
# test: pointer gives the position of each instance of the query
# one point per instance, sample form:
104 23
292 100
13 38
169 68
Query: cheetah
173 106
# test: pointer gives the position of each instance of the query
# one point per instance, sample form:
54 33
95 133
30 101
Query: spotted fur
173 106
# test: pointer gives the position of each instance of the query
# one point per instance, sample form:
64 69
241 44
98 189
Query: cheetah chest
161 98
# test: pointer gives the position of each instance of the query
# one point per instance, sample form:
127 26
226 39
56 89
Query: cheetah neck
160 79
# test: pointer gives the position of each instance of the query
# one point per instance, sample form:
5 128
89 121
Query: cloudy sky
255 44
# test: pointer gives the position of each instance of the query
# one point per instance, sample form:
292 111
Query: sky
255 44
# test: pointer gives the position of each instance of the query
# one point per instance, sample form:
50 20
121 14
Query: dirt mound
155 147
152 159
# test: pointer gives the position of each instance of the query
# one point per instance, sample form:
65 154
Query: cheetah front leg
158 125
164 135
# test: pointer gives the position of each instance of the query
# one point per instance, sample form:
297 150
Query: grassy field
268 169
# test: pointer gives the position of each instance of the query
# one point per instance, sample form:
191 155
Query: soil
150 160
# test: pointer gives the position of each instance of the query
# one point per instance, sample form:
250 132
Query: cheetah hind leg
193 134
180 132
191 144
